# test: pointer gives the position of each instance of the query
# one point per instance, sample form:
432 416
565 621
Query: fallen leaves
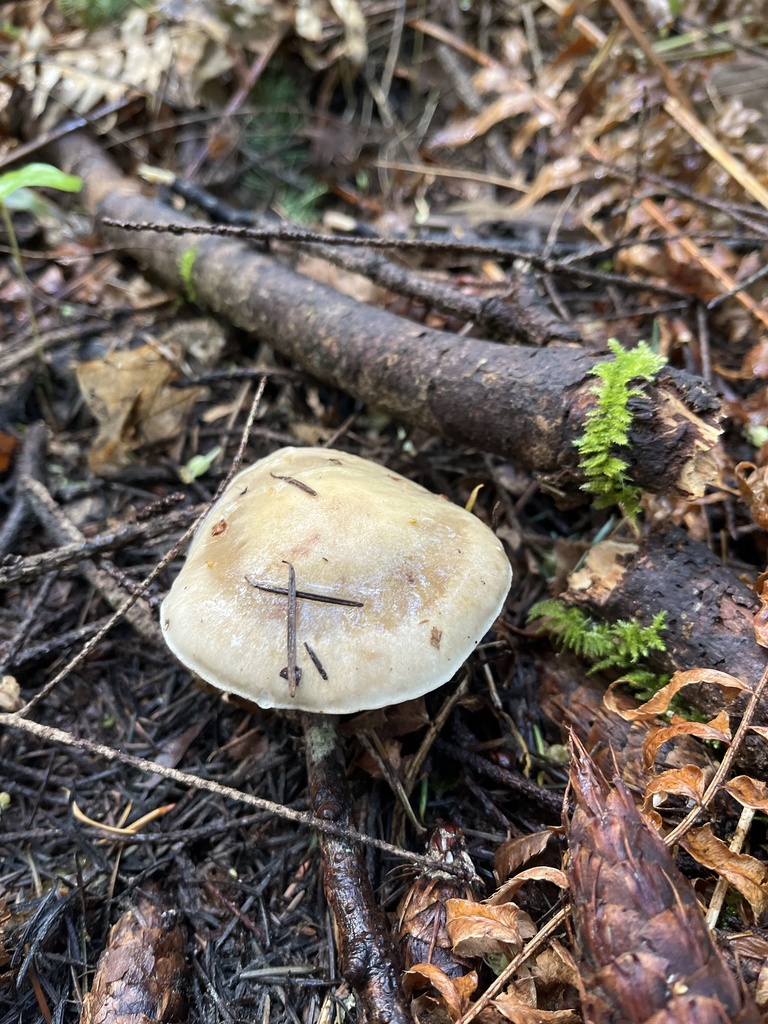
746 874
457 935
130 395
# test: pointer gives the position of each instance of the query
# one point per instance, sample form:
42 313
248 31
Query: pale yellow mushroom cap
430 578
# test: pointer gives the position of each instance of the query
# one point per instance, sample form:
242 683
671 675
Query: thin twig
305 595
50 734
299 236
294 672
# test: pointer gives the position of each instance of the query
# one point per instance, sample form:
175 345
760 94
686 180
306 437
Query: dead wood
527 405
142 972
16 569
646 952
64 531
709 615
574 703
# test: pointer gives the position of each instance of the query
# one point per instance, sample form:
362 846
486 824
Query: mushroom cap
430 579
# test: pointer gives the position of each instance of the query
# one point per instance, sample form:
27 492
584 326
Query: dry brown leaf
455 993
718 729
476 929
463 132
748 791
421 932
130 396
761 618
515 852
513 1010
563 173
753 485
729 686
539 874
8 445
689 782
746 874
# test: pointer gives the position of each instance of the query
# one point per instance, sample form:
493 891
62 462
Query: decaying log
142 973
709 611
528 405
574 703
646 952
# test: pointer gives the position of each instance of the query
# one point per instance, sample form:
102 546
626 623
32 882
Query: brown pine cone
647 956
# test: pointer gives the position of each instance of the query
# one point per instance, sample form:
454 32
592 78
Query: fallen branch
526 405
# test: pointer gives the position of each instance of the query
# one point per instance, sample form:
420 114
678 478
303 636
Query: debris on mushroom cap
391 587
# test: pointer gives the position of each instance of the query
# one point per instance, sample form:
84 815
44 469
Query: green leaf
37 176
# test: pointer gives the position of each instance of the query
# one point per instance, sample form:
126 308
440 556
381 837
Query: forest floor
513 252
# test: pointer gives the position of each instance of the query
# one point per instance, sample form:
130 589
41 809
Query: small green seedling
186 263
16 194
608 424
198 465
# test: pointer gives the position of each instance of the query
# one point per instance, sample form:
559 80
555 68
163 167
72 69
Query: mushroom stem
367 954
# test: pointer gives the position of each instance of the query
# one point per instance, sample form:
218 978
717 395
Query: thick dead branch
646 952
527 405
709 614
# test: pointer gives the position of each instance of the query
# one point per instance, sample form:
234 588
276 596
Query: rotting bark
646 952
369 961
574 703
709 608
528 405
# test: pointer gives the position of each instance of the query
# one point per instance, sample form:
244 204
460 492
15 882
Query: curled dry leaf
746 874
751 950
512 1009
421 916
476 929
688 782
718 729
748 791
761 617
515 852
463 132
646 954
130 396
451 995
753 485
542 873
729 686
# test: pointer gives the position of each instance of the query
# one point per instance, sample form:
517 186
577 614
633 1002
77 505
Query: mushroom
325 583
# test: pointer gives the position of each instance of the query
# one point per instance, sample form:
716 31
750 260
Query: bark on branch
528 405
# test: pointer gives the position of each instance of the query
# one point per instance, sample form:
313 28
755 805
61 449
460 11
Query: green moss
93 13
608 424
621 645
186 263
